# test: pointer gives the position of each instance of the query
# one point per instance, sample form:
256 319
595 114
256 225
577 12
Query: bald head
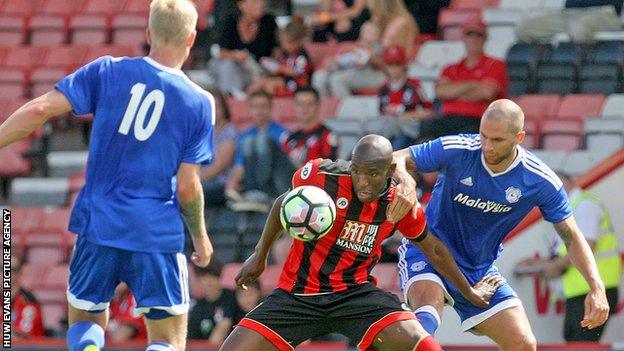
372 148
504 110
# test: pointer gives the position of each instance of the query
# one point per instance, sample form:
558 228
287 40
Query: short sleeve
447 72
81 87
554 204
413 224
199 148
308 174
497 74
429 156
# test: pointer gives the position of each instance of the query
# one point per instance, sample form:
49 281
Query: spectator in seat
292 68
26 313
338 19
212 317
261 169
397 27
402 97
123 324
467 87
358 57
244 39
214 176
314 140
580 19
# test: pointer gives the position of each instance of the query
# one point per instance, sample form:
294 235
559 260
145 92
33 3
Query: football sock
160 346
85 336
429 318
427 343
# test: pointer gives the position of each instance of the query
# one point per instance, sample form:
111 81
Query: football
307 213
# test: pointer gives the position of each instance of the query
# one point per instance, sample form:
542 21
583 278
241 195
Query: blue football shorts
158 281
414 266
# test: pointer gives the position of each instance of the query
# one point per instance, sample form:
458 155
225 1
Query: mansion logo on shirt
358 236
485 205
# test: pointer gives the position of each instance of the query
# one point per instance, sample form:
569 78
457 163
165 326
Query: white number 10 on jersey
155 97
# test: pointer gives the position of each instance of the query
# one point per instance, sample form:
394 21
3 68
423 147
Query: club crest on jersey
418 266
358 236
342 203
513 194
307 169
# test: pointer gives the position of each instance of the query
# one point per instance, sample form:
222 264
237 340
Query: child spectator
247 300
293 69
212 317
402 97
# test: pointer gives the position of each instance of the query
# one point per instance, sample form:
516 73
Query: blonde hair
171 21
386 10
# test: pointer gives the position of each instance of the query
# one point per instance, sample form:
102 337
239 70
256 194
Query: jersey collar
513 165
175 71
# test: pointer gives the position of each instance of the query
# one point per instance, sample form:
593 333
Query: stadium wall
531 239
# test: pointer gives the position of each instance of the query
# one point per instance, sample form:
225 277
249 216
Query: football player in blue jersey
152 129
487 183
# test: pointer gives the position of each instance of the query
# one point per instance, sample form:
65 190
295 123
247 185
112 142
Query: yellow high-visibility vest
606 254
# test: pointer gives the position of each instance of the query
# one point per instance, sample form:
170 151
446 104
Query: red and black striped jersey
344 257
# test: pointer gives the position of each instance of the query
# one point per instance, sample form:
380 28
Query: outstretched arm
32 116
441 259
580 254
256 263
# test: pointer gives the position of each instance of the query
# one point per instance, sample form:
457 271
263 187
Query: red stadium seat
539 106
473 4
76 181
25 218
128 29
23 57
44 255
580 106
55 220
112 50
138 7
450 22
89 29
56 277
12 30
23 7
228 273
13 163
532 137
67 57
55 7
103 7
562 134
50 296
11 90
32 274
329 106
48 30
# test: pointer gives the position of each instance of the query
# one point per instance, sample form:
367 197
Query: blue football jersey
472 209
147 120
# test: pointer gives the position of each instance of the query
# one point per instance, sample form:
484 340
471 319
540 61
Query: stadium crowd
270 70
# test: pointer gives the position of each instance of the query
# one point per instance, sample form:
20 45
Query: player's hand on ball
596 309
203 251
251 270
404 197
483 291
